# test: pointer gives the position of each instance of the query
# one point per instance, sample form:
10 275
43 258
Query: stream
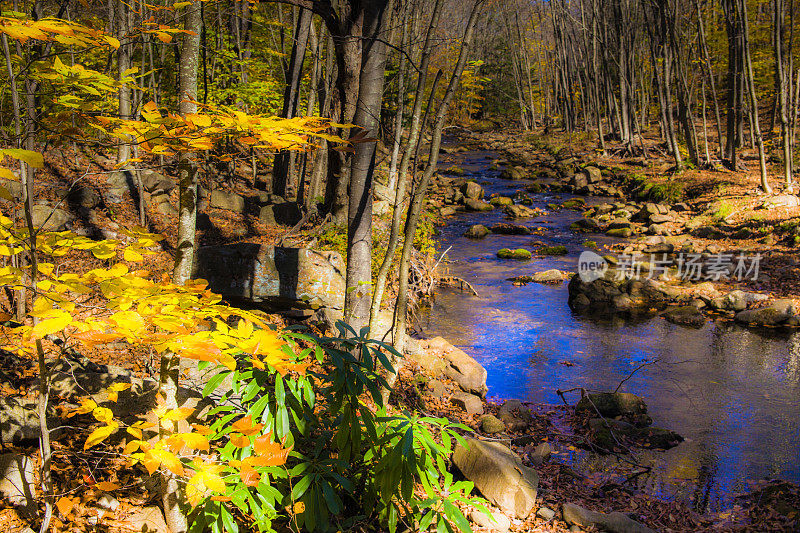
732 392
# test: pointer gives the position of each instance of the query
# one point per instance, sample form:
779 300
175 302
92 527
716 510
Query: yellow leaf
87 406
103 414
193 441
112 41
4 248
4 194
158 457
51 325
100 434
34 159
115 389
106 486
206 479
8 174
135 432
104 250
201 121
178 414
132 255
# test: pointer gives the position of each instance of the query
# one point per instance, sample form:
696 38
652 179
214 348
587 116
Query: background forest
135 135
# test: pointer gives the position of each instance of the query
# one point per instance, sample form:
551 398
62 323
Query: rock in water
614 404
274 277
477 231
614 522
499 475
472 190
473 204
686 315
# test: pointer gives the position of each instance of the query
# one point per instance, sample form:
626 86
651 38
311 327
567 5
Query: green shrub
349 462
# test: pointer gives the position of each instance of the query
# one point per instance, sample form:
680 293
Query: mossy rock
575 203
552 250
501 200
454 170
477 231
590 244
553 207
623 233
535 188
520 254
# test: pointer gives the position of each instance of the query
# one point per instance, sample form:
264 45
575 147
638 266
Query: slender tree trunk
172 492
284 174
358 279
418 199
762 159
403 177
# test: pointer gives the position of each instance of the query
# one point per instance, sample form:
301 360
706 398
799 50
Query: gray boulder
470 403
777 313
84 197
14 188
50 218
781 200
513 173
614 522
473 204
17 484
520 211
273 277
685 315
229 201
153 181
490 424
440 358
593 174
472 190
498 473
736 300
615 404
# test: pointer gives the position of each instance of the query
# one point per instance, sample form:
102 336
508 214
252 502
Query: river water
732 392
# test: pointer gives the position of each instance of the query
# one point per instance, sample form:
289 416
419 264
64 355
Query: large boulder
230 201
17 485
473 204
50 218
472 190
273 277
477 231
440 358
498 473
776 313
153 181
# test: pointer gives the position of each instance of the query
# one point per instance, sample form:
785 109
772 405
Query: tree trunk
418 199
172 492
358 279
403 178
762 159
284 175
